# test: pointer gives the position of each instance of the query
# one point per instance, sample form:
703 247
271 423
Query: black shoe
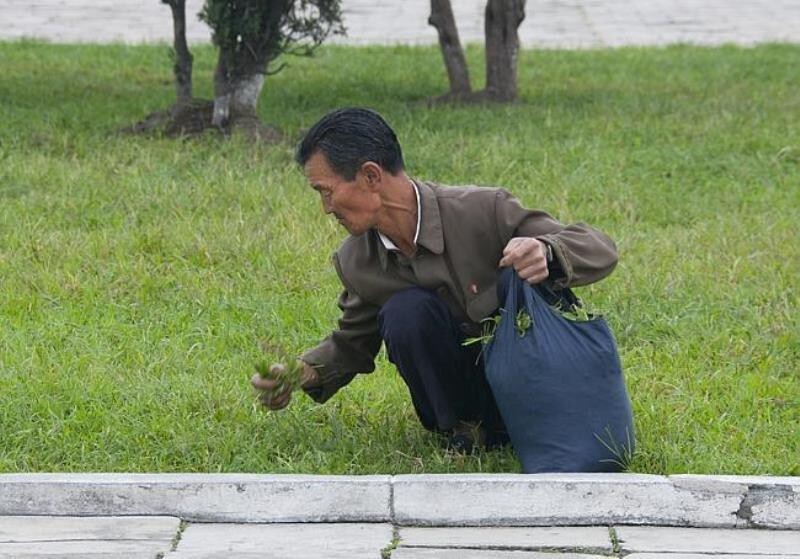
466 437
461 443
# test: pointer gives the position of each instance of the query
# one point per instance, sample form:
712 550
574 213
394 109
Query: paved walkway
549 23
25 537
468 516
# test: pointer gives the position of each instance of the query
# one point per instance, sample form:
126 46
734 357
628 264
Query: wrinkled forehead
318 171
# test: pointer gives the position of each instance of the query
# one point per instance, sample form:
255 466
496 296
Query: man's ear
372 173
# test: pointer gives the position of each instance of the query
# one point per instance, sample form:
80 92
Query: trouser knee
410 315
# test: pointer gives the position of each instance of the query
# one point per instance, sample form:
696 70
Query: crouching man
419 270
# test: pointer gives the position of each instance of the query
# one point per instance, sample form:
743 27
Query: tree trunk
238 77
442 19
242 65
235 97
503 18
236 101
222 90
245 94
183 58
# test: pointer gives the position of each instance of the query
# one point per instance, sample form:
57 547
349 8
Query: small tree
182 55
445 23
501 25
249 35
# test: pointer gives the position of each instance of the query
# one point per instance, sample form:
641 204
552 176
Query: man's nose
326 205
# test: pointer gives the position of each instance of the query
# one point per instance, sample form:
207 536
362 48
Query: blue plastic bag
558 385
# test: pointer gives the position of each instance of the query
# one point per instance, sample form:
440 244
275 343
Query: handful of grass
286 370
288 377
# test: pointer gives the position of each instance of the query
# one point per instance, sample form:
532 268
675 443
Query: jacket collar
430 226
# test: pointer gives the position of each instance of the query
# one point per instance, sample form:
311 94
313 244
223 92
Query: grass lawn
137 275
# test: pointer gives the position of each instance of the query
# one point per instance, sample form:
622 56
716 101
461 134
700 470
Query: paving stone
373 21
429 553
699 540
79 555
716 481
279 541
86 538
128 549
48 528
204 497
233 555
559 500
704 556
769 501
595 537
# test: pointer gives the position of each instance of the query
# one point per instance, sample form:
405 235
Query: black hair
349 137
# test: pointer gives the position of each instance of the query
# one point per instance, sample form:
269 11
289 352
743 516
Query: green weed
523 321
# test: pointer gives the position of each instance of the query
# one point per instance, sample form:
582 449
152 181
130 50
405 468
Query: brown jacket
463 231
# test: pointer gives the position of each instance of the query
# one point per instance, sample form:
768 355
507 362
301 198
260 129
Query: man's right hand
275 394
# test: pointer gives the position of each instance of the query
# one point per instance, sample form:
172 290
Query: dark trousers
445 378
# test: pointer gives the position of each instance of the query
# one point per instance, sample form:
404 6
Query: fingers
527 257
508 258
512 251
534 274
523 248
276 401
273 394
261 383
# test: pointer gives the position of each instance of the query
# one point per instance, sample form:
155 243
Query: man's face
354 203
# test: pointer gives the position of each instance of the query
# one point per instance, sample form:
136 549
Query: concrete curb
416 500
200 497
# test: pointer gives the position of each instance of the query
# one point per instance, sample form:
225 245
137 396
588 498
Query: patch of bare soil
194 118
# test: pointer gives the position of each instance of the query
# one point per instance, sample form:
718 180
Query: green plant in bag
523 321
575 313
488 327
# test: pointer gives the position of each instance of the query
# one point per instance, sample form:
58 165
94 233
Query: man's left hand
528 256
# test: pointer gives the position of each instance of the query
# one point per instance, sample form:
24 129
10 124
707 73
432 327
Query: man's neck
398 217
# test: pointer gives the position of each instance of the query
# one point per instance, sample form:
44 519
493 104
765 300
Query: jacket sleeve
585 254
347 351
